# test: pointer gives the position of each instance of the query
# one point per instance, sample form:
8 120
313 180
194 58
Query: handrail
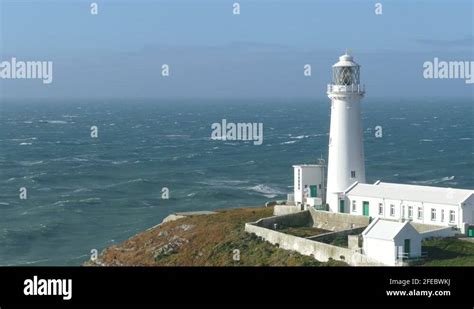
346 88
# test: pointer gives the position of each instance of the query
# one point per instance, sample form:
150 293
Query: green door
470 231
365 208
341 206
406 247
314 191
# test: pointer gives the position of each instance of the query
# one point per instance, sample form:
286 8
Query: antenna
321 161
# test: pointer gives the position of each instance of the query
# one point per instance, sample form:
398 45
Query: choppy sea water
85 193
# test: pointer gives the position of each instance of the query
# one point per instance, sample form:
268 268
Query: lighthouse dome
346 61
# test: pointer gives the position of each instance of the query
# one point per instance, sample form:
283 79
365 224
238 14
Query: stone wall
299 219
280 210
337 221
320 251
329 237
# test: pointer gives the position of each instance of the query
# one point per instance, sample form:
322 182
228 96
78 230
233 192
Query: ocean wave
120 162
299 136
433 181
81 190
23 139
266 191
25 144
425 140
90 200
62 203
223 183
27 234
289 142
53 121
44 189
124 183
30 163
465 139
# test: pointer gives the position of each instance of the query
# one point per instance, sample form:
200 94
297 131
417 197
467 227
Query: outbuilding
309 185
391 242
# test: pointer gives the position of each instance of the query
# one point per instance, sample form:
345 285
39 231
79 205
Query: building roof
308 165
414 193
385 229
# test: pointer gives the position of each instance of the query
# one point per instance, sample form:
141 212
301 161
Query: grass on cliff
206 240
448 252
303 231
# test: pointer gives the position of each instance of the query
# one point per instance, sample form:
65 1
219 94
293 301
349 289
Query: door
406 247
365 208
313 191
341 206
471 231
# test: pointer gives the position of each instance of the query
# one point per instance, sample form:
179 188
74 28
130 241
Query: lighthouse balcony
356 89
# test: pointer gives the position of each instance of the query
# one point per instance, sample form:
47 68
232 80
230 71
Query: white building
390 242
309 185
346 189
420 204
346 151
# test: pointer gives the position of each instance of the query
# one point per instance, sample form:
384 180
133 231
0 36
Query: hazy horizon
213 54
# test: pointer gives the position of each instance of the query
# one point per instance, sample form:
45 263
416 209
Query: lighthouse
346 151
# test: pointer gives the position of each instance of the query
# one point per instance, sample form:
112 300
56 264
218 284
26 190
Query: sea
85 194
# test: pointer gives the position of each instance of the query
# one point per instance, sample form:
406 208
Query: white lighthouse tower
346 151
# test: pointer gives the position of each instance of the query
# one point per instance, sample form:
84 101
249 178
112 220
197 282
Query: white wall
441 232
310 175
386 251
346 150
380 250
409 232
468 211
401 212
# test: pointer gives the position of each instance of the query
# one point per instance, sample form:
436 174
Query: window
420 213
319 186
380 209
433 214
442 215
392 210
353 206
410 211
452 216
403 212
353 174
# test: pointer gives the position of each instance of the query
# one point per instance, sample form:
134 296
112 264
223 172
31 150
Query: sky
212 53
